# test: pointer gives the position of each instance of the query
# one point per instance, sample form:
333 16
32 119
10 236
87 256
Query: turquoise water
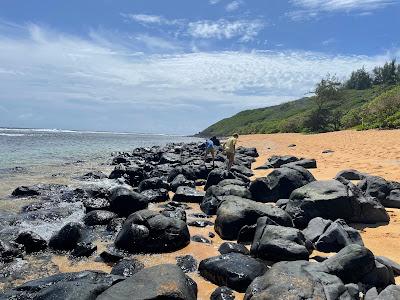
35 147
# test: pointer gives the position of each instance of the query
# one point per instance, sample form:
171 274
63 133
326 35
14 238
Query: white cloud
342 5
213 2
328 42
142 18
245 30
313 8
234 5
48 70
151 19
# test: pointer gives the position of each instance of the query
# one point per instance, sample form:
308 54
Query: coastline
352 149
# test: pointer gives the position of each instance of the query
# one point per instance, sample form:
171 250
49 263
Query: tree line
389 74
328 114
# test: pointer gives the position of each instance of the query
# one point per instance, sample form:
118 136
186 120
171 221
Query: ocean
31 156
32 147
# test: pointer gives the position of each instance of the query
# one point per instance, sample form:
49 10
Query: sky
177 66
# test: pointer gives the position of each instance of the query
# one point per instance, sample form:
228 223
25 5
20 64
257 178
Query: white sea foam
12 134
84 131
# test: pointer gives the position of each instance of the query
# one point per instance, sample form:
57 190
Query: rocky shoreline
150 202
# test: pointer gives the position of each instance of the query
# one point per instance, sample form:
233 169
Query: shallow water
27 147
31 156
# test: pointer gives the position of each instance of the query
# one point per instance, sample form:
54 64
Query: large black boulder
85 285
332 199
390 264
375 186
175 213
188 194
296 280
350 174
351 264
246 234
242 170
154 283
216 176
148 231
160 195
31 241
306 163
337 236
392 200
276 161
67 238
83 249
280 183
251 151
170 158
127 267
124 201
380 277
232 182
153 183
315 228
181 180
278 243
190 172
218 193
132 174
237 212
233 270
98 217
26 191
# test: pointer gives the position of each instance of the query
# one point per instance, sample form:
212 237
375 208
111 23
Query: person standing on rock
229 148
210 149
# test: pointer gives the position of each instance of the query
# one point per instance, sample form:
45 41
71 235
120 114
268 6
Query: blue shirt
209 144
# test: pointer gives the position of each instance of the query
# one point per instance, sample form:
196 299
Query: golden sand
373 152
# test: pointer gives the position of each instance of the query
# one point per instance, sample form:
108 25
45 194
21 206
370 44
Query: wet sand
373 152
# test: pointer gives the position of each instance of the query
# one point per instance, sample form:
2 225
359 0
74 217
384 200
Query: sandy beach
373 152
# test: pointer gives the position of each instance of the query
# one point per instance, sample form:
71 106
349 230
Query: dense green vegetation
364 101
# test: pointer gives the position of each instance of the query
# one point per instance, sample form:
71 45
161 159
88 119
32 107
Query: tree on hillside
359 80
336 119
327 90
378 75
388 74
327 93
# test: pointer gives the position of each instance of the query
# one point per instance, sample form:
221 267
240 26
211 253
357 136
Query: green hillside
376 104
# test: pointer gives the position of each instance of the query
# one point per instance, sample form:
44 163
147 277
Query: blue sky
176 66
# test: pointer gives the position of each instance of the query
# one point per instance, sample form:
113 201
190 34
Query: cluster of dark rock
284 217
